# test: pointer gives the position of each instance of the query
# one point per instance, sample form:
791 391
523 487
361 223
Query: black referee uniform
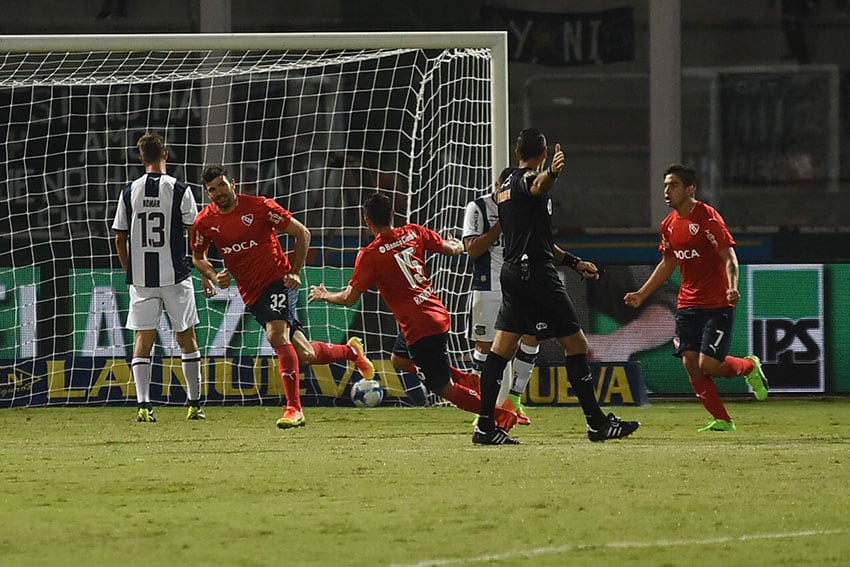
534 299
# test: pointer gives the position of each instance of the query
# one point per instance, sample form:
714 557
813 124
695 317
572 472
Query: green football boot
145 415
195 412
718 425
757 380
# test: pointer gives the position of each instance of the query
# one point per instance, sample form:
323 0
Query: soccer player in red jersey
395 263
244 229
695 238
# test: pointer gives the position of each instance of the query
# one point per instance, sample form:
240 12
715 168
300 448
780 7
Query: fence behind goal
315 121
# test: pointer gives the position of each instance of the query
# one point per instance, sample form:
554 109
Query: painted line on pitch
552 550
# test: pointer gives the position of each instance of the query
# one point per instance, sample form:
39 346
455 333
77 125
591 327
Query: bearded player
244 228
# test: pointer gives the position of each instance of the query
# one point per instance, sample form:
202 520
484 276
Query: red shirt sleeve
278 217
197 239
431 241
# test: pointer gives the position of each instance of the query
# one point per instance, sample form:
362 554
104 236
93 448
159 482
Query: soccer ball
367 393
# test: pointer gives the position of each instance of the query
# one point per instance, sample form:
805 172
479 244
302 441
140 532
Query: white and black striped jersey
154 210
480 215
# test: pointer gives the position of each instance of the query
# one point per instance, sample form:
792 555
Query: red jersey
246 237
694 240
395 263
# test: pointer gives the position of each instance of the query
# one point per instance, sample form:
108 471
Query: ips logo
787 325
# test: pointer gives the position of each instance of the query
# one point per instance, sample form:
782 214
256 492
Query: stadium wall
74 349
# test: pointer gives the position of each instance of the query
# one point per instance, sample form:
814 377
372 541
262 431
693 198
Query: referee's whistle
524 268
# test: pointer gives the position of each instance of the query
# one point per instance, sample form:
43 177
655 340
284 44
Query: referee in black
534 300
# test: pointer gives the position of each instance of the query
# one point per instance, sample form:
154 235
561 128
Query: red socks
287 358
468 399
733 366
467 379
706 391
327 353
464 398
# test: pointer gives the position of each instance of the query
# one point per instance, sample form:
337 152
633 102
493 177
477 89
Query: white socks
192 371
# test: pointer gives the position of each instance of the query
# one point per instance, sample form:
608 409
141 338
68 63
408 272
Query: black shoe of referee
497 436
613 428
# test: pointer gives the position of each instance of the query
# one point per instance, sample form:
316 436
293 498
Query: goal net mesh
315 130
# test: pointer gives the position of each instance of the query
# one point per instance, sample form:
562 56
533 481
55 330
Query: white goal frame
495 41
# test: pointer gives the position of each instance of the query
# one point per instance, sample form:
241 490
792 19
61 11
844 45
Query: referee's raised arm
546 180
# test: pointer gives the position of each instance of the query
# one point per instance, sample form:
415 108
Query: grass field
406 487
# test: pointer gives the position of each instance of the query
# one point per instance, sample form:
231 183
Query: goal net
315 122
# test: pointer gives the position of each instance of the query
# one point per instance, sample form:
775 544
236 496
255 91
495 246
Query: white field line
554 550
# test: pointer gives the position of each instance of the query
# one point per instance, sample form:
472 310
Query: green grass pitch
406 487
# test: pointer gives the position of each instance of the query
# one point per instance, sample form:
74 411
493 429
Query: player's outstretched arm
347 296
452 246
660 274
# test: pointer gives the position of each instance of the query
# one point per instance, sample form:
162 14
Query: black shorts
400 347
277 303
708 331
538 306
431 355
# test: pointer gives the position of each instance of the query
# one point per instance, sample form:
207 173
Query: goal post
315 121
495 42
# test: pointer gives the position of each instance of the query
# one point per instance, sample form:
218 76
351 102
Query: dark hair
213 171
530 143
379 209
683 172
152 148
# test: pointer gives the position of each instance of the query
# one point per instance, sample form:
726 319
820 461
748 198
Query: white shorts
482 315
147 303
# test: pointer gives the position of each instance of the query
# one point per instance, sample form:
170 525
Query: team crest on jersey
480 330
248 220
693 228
